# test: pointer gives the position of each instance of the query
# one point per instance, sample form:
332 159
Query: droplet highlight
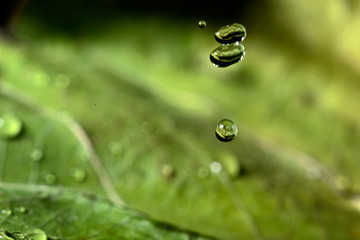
230 33
202 24
10 126
227 54
226 130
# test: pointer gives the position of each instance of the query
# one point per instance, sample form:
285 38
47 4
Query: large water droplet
10 126
202 24
36 234
227 54
78 174
6 212
230 33
226 130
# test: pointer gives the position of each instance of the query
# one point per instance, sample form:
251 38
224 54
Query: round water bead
226 130
10 126
202 24
36 234
227 54
230 33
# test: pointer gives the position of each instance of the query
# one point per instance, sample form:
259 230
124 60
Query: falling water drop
227 54
202 24
226 130
10 126
230 33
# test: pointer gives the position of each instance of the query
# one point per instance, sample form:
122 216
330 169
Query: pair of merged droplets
231 51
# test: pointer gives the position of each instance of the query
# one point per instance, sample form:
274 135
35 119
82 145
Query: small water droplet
167 171
36 154
50 179
215 167
36 234
78 174
227 54
10 126
6 212
230 33
202 24
20 209
226 130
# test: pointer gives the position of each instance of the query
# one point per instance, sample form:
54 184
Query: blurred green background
124 96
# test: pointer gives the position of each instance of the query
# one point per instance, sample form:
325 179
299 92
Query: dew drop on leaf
78 174
36 154
167 171
202 24
230 33
215 167
50 179
227 54
20 209
226 130
6 212
36 234
10 126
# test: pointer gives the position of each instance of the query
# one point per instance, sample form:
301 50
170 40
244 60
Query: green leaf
39 212
132 119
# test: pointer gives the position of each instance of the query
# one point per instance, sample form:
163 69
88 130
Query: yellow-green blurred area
137 77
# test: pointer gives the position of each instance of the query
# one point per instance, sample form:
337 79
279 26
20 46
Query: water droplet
36 234
226 130
227 54
215 167
230 33
6 212
167 171
20 209
10 126
50 178
202 24
78 174
36 154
